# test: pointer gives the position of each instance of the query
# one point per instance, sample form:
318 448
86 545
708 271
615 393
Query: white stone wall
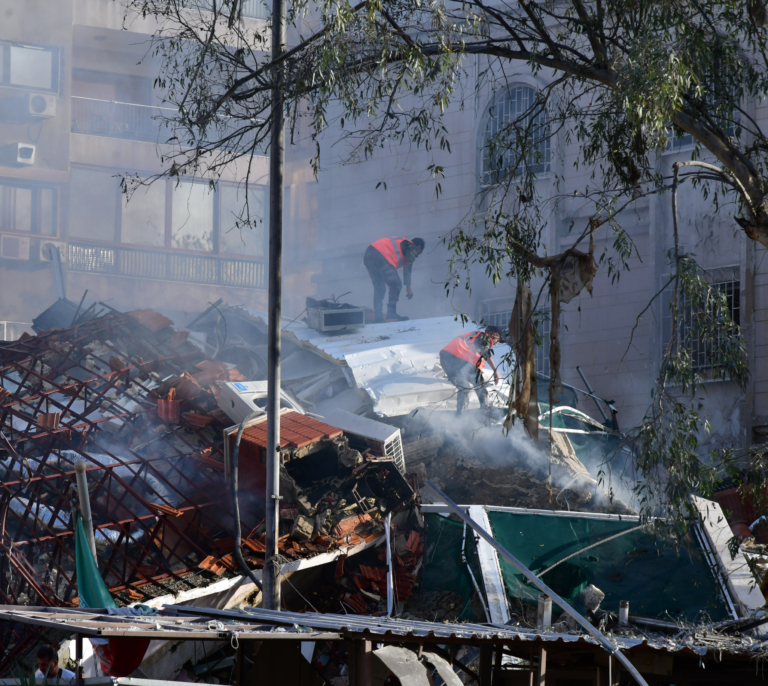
352 213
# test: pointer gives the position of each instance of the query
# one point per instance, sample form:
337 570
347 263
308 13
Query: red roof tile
296 431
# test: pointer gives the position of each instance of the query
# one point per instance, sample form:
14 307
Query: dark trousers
383 275
465 377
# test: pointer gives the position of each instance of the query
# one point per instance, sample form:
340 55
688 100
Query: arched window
516 135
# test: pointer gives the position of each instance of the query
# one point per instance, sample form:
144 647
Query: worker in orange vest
382 260
464 357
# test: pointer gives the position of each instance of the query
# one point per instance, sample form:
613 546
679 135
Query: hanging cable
236 502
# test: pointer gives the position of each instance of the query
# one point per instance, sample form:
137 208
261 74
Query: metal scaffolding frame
159 499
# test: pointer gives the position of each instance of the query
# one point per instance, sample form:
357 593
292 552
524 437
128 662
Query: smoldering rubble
368 417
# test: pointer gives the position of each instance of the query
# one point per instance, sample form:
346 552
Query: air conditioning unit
14 247
40 105
384 440
45 250
240 398
330 316
20 153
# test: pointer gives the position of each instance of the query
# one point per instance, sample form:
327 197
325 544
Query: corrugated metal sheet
384 626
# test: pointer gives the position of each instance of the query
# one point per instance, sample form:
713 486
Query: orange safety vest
392 250
459 347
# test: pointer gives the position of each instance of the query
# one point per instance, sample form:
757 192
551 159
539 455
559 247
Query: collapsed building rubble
133 399
391 371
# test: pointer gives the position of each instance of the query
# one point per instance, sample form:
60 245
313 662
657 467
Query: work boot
392 313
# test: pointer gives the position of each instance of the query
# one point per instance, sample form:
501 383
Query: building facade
612 336
78 109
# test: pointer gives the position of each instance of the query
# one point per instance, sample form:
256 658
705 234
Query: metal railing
166 266
251 9
117 119
145 123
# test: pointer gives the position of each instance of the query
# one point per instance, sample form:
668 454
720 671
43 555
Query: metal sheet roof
411 628
395 363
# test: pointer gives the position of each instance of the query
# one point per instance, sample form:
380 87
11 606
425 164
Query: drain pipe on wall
85 506
604 641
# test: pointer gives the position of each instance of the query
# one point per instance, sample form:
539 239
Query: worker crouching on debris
382 260
464 357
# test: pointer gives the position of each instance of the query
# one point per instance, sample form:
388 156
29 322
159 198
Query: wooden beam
542 667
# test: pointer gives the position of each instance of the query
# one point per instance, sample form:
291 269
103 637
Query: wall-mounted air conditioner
239 399
14 247
45 250
384 440
40 105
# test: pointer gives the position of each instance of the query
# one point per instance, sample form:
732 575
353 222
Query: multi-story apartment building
77 110
596 329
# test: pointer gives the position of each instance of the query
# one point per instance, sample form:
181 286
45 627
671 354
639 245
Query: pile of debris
139 404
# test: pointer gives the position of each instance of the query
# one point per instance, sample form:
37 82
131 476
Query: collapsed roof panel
395 363
138 403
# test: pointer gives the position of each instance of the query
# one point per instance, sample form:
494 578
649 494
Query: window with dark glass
29 66
93 198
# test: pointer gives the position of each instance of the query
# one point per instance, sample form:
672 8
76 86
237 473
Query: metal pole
390 579
78 659
269 577
591 390
528 574
85 507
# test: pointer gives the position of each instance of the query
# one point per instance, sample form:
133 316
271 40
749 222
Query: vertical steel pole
270 577
85 506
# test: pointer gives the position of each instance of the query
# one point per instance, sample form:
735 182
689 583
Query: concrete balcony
165 265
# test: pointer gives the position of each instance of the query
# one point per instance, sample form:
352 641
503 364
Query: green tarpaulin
443 568
91 587
657 580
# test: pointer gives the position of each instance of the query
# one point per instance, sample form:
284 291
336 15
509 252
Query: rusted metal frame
212 479
165 567
121 463
15 562
101 394
48 477
64 534
28 510
147 504
163 479
60 550
95 505
123 577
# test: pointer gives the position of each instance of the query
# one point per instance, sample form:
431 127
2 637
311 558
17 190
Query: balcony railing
166 266
251 9
143 123
117 119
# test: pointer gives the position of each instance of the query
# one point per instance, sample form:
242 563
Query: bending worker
382 260
464 357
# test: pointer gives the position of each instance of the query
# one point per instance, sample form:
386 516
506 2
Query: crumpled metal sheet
397 363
